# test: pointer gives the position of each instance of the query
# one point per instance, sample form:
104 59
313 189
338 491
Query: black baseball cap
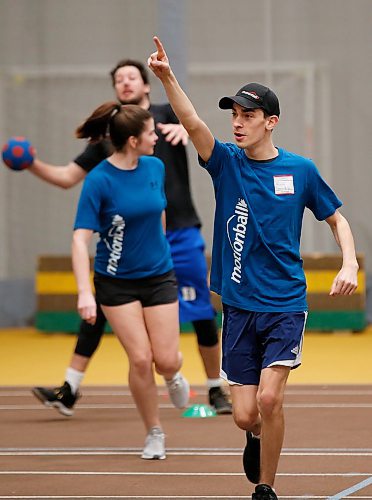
253 96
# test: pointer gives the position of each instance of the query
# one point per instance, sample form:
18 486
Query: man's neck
262 152
145 102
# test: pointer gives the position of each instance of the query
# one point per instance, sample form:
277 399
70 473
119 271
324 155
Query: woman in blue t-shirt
123 200
261 193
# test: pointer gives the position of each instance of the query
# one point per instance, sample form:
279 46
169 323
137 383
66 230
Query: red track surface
95 453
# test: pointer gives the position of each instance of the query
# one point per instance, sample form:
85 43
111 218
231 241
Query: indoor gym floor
95 454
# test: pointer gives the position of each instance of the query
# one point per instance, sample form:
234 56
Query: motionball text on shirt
116 248
241 212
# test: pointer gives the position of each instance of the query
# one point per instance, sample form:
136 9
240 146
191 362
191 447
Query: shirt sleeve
321 200
88 211
218 159
93 154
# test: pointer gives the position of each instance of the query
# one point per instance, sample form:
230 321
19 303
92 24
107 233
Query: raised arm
346 280
198 131
65 176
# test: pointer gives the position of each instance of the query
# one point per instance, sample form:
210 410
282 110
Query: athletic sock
214 382
74 378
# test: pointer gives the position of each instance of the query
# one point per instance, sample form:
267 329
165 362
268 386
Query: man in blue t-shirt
261 193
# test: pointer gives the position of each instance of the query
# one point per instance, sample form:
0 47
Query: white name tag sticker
283 184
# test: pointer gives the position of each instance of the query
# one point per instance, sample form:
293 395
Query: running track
95 454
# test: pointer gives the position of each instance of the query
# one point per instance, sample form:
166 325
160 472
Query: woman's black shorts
151 291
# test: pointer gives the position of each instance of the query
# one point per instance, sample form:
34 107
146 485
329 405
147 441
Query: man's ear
272 121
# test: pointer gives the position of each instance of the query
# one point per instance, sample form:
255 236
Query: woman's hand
87 307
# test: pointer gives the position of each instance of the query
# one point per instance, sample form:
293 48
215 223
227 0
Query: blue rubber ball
18 153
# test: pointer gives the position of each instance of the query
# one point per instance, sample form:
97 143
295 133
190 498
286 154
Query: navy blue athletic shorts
187 248
252 341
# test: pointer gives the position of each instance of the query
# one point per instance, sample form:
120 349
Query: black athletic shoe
219 402
60 398
264 492
251 458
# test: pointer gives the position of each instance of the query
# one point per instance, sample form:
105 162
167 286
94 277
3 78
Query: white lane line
352 489
113 473
186 449
164 497
112 451
328 405
15 392
173 497
125 496
22 393
86 391
202 474
180 453
103 406
328 392
129 406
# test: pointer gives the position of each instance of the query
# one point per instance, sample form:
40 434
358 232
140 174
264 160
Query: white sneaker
179 390
154 445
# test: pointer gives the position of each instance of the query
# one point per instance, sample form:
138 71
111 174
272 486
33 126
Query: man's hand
158 61
346 281
174 133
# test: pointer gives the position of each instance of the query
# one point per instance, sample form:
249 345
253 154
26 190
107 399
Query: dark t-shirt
180 209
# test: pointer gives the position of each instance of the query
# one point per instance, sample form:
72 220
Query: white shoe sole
61 408
153 457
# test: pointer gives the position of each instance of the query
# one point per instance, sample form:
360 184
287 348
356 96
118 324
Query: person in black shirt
131 85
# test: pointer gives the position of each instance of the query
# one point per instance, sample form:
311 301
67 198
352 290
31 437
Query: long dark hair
118 121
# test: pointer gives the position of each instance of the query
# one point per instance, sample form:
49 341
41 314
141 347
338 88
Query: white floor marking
193 474
352 489
130 406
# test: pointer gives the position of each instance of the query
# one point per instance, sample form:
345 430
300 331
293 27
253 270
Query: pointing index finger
160 48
